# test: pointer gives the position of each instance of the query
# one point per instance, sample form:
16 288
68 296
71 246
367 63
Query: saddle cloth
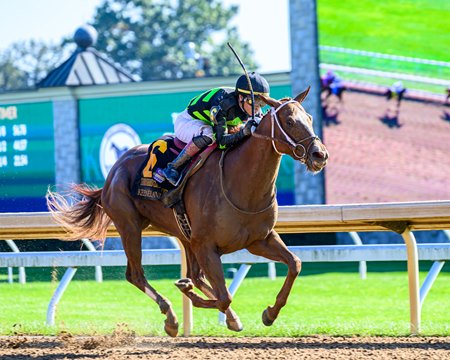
150 184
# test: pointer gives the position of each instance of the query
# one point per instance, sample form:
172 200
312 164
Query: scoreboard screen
27 160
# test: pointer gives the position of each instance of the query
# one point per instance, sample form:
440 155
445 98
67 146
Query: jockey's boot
171 172
198 143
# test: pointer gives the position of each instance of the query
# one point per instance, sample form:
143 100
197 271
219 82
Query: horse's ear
269 101
300 97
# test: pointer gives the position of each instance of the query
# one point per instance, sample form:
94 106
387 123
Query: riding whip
252 95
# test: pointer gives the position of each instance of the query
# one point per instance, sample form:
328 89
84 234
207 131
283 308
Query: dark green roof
86 67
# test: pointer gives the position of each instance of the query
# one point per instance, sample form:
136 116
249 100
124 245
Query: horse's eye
290 122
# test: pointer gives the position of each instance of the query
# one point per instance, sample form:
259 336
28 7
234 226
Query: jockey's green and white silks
225 98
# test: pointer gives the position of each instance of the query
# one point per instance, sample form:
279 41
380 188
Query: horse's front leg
273 248
232 319
209 261
187 285
199 281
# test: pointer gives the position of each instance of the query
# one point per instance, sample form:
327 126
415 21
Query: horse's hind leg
128 224
273 248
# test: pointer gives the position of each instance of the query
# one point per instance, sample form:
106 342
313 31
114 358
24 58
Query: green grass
416 28
413 28
333 303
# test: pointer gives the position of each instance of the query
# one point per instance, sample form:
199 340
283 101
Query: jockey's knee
203 141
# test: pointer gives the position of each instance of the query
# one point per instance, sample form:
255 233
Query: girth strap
182 219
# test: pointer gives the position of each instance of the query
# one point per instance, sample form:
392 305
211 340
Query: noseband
299 150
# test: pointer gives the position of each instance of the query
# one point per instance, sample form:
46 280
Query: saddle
150 184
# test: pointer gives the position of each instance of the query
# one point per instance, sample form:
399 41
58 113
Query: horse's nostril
319 155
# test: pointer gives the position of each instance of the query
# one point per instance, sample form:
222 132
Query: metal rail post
68 275
187 304
430 279
413 279
362 264
98 269
271 271
22 275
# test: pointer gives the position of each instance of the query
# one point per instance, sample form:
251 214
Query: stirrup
171 175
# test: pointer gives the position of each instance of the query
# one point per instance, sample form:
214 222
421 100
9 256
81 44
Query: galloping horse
231 204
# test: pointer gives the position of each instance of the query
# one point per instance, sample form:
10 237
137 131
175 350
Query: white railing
384 56
399 217
386 74
393 68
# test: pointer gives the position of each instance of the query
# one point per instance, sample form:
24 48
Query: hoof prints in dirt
129 346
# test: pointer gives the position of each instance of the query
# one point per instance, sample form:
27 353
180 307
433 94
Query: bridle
294 146
289 142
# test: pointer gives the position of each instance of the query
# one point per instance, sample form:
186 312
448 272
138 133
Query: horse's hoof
265 318
171 323
171 328
234 325
184 284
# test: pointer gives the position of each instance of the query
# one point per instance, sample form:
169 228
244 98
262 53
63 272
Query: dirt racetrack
314 347
377 155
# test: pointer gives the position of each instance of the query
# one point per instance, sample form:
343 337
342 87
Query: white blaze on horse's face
306 120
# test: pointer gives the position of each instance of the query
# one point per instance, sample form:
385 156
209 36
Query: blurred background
80 82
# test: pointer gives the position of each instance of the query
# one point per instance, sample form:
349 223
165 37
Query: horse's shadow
390 119
445 116
330 115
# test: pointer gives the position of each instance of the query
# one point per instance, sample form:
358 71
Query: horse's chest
235 233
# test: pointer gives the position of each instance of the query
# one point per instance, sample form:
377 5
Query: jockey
328 79
209 116
396 91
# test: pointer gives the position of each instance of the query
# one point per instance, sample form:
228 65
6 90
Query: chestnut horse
231 204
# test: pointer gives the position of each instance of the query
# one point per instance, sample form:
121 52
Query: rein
272 202
290 142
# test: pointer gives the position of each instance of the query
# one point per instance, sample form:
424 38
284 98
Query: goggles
258 101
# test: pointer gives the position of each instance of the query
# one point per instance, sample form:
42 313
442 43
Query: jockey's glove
247 130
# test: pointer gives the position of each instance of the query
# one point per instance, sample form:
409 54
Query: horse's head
292 133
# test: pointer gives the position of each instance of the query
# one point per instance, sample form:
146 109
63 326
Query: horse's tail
80 212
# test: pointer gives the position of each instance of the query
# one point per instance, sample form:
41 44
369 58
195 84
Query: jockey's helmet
259 84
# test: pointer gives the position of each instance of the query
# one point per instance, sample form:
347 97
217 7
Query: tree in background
11 77
154 39
158 39
25 63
